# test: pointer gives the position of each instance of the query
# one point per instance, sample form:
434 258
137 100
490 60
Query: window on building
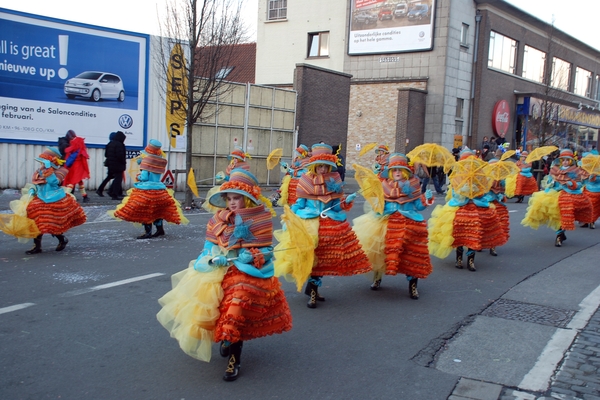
561 70
223 72
597 93
277 9
460 105
318 44
503 52
534 64
583 82
464 35
458 128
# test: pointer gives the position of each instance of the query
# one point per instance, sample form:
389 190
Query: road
80 324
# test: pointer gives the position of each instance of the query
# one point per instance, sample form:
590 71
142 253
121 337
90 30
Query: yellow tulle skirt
284 190
441 226
191 309
370 230
543 209
206 205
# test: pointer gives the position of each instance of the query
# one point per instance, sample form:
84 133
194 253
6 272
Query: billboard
57 75
390 26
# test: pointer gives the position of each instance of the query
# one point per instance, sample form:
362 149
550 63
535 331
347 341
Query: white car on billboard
96 86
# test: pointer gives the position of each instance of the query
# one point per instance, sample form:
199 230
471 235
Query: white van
401 10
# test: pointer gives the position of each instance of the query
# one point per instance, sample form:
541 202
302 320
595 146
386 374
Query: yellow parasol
540 152
295 251
591 164
432 155
501 170
367 148
469 179
273 158
507 154
370 187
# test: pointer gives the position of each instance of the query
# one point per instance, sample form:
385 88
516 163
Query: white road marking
16 307
539 377
110 285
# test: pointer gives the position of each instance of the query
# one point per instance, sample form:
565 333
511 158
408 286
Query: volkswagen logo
125 121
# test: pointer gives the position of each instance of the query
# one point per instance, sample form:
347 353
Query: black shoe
159 232
233 364
145 236
312 302
376 284
493 252
35 250
412 289
62 243
86 199
586 225
224 350
558 241
592 225
99 193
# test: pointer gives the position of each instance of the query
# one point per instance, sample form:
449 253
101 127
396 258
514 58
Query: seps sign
501 118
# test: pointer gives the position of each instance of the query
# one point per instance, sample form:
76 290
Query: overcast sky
578 18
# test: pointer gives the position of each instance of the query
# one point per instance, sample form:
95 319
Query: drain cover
534 313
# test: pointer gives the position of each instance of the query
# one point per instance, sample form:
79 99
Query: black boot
62 242
148 230
493 251
412 289
471 260
459 257
233 364
224 348
376 284
312 285
159 230
520 199
37 246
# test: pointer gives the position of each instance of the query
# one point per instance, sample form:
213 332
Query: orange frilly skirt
251 308
525 186
406 247
595 200
58 217
574 207
338 253
292 195
477 228
146 206
504 221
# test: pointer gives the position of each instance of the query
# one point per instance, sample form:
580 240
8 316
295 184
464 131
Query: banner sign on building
57 75
379 27
177 88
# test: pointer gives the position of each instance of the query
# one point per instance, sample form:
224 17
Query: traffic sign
168 179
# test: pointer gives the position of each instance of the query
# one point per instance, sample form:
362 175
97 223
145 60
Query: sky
578 18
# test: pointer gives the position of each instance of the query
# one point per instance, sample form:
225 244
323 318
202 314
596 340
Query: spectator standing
116 162
433 174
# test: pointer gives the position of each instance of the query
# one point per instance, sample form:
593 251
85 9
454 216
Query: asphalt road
80 324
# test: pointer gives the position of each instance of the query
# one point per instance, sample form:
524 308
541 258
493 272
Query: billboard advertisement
390 26
57 75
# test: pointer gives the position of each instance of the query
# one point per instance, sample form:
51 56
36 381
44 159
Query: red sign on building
501 118
168 179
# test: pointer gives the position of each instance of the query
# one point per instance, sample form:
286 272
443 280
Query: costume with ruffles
498 198
396 240
149 200
591 189
234 303
562 202
521 184
53 210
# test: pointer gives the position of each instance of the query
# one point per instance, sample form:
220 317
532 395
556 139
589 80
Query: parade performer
237 159
76 157
291 179
396 240
592 190
382 152
468 219
524 183
322 207
229 294
497 198
53 210
149 201
563 201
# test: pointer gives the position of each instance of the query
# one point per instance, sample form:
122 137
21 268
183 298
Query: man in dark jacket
116 162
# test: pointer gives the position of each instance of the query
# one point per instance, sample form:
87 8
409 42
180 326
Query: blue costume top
149 181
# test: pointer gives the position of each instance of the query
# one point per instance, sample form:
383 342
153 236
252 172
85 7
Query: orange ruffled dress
238 302
396 242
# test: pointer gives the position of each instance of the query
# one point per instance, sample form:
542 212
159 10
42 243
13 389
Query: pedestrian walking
229 294
322 207
563 201
433 174
396 240
467 220
53 210
149 202
76 160
115 160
